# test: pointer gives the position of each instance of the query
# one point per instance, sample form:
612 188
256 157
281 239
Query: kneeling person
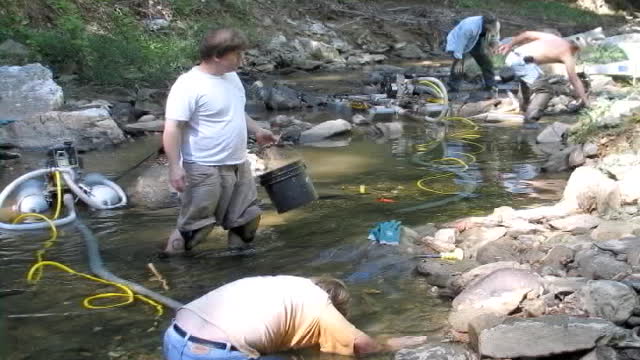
260 315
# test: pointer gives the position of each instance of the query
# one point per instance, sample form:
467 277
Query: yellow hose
35 272
59 195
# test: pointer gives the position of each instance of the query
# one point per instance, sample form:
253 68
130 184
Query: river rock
610 230
558 257
620 110
576 224
498 293
619 246
411 51
549 335
475 238
325 130
145 126
458 283
628 186
517 227
577 157
439 351
441 273
318 50
589 189
150 187
559 161
443 240
503 249
563 286
596 265
590 150
610 300
26 91
553 133
88 129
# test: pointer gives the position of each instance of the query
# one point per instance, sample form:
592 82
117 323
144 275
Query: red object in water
385 200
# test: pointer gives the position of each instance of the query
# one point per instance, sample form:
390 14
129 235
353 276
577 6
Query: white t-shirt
213 106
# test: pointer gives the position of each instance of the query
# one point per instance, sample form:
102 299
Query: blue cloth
464 36
387 232
176 347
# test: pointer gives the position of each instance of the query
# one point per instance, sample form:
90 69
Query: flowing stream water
329 236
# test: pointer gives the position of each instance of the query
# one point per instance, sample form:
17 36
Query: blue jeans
176 347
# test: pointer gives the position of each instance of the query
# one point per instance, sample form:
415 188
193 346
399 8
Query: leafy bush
601 54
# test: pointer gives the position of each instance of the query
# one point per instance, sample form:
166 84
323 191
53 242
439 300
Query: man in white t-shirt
205 139
255 316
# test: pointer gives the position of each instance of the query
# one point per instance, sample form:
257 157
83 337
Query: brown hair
219 42
337 290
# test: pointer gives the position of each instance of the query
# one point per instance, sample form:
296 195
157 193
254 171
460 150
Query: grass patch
540 8
601 54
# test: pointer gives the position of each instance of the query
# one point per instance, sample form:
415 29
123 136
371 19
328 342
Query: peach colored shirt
266 314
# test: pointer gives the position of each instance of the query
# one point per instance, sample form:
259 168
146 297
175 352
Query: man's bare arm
570 64
172 141
521 39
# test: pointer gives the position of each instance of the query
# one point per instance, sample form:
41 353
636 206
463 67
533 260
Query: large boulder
588 189
475 238
149 187
596 265
610 300
325 130
498 293
576 223
460 282
88 129
550 335
26 91
555 132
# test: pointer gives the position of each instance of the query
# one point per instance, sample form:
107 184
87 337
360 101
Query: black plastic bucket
289 186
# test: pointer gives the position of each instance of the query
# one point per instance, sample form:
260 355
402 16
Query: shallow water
326 237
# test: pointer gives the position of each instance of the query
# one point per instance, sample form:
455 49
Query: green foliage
540 8
601 54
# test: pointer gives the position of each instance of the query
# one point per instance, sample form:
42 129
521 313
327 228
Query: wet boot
195 237
240 237
536 108
456 75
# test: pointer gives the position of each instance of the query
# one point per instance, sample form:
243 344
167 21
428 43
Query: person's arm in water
263 136
521 39
365 344
570 64
172 141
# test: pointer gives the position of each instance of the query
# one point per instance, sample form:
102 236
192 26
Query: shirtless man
532 48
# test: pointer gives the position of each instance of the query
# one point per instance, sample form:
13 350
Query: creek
328 236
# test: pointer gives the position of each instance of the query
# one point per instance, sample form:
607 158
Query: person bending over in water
261 315
530 49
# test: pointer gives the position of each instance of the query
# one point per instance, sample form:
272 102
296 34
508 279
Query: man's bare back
547 48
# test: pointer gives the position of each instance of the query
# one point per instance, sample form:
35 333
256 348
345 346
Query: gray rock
503 249
145 126
620 246
440 351
577 157
325 130
558 257
553 133
150 187
590 150
549 335
563 286
558 161
443 240
576 223
156 24
147 118
411 51
619 111
518 227
26 91
498 293
608 230
88 129
595 265
475 238
619 164
460 282
610 300
441 273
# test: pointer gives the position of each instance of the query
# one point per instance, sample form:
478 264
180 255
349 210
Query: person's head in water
223 49
337 290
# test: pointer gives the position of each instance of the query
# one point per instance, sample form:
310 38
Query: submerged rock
437 352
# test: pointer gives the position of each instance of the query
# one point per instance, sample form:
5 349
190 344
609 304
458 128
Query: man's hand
177 178
265 137
504 48
405 341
